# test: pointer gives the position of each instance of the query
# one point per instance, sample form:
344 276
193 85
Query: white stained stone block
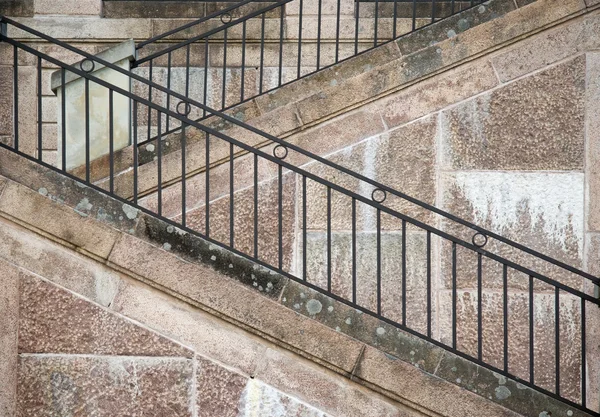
98 119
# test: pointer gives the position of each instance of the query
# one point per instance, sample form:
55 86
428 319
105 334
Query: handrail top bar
211 32
233 120
194 23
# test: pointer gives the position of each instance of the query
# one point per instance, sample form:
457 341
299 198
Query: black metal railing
257 204
261 49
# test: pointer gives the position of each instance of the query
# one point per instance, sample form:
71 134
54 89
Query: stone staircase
366 115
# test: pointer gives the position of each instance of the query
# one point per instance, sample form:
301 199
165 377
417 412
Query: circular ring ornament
477 240
226 18
280 152
91 67
378 195
185 110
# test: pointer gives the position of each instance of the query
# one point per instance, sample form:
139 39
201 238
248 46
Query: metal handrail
313 156
331 187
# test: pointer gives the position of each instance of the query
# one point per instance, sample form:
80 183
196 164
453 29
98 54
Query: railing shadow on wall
397 249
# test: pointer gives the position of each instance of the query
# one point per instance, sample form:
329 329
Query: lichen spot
170 229
348 321
270 285
150 147
380 331
167 246
83 206
314 306
451 33
545 414
130 212
330 309
569 413
43 191
502 392
213 258
481 9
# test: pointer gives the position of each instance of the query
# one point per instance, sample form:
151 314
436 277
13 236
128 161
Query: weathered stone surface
68 7
431 95
14 8
210 337
149 9
53 320
28 115
544 49
261 399
52 261
543 211
322 390
9 322
66 27
592 128
6 101
209 289
218 390
423 389
366 273
39 211
592 320
102 386
535 123
402 159
450 27
518 335
243 225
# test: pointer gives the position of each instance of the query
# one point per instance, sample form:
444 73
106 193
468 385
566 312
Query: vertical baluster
452 7
378 262
404 272
150 99
224 69
479 308
432 11
205 87
231 198
187 71
16 95
428 284
255 206
354 250
583 356
39 109
376 26
320 6
505 313
395 17
337 33
168 87
159 161
301 6
111 145
356 25
280 46
262 53
329 257
414 15
135 153
280 215
63 118
557 338
183 176
243 75
454 318
531 333
305 226
207 185
87 130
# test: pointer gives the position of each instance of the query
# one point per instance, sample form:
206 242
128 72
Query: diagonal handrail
356 198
